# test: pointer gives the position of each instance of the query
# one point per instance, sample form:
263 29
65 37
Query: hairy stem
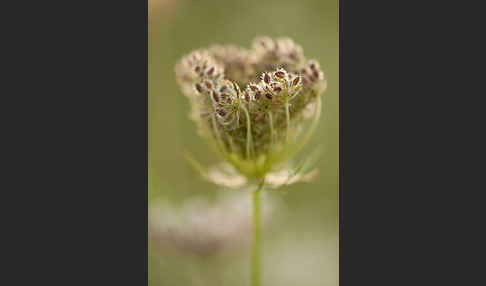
312 128
248 132
287 116
271 128
218 136
256 247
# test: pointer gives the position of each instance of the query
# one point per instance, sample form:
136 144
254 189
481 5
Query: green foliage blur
302 249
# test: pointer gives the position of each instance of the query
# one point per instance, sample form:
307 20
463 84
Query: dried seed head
313 65
258 95
208 84
210 71
215 96
295 81
246 95
198 87
273 75
221 112
236 87
280 74
235 61
264 43
266 78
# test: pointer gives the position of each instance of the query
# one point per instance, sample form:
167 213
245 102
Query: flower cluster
251 105
202 227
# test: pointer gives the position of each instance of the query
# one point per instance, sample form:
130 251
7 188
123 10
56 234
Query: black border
408 215
82 152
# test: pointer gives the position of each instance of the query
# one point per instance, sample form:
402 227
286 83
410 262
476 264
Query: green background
302 248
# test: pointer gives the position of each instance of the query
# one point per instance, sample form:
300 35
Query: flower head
252 105
202 227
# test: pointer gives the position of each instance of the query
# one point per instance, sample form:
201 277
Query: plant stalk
256 247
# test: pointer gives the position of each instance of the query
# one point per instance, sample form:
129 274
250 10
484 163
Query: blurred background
301 240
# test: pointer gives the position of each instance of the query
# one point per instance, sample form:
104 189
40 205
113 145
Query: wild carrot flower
252 106
203 228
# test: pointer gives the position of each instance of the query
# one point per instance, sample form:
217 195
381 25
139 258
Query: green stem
271 128
287 117
312 128
218 136
256 247
248 132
